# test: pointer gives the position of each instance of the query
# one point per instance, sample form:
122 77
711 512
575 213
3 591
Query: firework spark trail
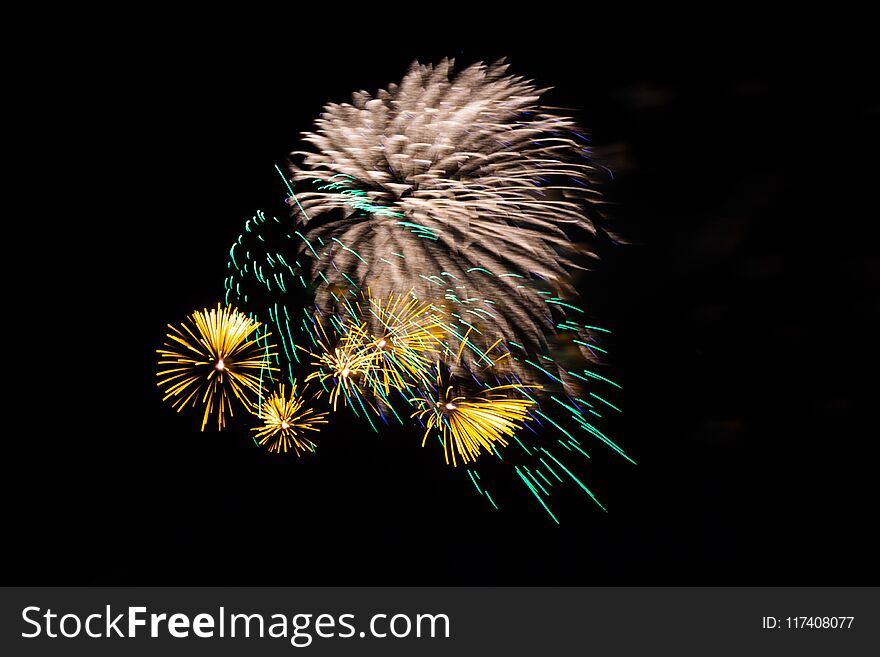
286 421
210 357
263 276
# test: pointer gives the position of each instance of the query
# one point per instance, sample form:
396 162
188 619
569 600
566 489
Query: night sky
744 305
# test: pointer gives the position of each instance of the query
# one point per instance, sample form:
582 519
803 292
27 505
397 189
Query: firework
214 357
286 422
342 363
470 424
461 187
466 191
403 336
373 347
437 227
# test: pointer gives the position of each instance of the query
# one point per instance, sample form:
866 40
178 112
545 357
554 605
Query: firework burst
468 425
403 336
215 356
460 186
342 364
439 223
287 421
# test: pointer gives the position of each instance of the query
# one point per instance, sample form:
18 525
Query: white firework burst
459 187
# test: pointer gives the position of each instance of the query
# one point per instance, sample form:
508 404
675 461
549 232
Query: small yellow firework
286 421
344 365
214 356
470 424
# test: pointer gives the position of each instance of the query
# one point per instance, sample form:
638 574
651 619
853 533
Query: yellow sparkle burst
215 356
470 424
406 336
286 422
343 366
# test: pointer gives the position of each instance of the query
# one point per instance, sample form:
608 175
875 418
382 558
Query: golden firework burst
405 337
469 424
344 366
215 356
286 421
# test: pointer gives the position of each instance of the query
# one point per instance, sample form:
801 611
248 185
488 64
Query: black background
744 309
